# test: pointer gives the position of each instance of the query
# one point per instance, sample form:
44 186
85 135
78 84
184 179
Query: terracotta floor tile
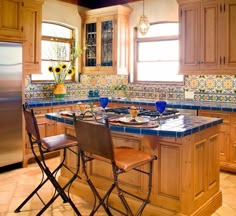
17 184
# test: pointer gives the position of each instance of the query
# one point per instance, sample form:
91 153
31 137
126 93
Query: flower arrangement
120 90
120 87
62 70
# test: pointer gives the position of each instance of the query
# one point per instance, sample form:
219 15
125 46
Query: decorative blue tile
132 130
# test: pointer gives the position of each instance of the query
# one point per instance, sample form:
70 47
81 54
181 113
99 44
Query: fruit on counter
86 107
133 111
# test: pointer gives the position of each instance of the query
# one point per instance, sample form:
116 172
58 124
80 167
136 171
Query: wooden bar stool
40 147
95 142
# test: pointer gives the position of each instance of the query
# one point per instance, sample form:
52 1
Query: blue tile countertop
173 127
181 104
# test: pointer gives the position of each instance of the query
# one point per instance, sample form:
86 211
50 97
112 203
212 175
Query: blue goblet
103 102
160 106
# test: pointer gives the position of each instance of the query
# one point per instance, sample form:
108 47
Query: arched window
57 42
157 54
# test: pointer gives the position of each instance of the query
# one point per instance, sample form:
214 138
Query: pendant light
143 24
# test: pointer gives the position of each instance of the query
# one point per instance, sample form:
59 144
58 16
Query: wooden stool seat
58 142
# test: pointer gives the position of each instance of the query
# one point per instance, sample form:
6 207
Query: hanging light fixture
143 24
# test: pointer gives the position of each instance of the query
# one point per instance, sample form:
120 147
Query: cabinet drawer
233 118
216 114
41 111
61 108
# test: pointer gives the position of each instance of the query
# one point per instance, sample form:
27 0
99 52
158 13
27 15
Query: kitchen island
186 174
224 110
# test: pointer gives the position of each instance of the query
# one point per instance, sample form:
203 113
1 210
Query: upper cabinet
106 36
207 36
20 21
32 39
11 20
229 35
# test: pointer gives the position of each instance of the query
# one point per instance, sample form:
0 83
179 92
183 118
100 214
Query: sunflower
61 70
71 71
63 66
57 70
50 69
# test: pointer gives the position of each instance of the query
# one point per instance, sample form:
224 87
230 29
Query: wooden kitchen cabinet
224 135
227 138
106 35
206 36
11 20
32 40
20 21
233 141
228 36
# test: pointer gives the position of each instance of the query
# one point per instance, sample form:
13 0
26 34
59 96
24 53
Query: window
57 42
157 54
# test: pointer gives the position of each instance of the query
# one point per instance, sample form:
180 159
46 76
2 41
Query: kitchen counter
179 126
181 104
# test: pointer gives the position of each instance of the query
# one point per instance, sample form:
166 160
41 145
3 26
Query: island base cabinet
185 177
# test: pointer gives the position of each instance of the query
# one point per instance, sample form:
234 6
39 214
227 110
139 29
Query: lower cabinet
233 141
227 138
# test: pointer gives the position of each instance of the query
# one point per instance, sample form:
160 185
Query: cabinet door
106 41
106 34
100 45
11 20
210 41
229 41
32 43
224 136
90 37
189 37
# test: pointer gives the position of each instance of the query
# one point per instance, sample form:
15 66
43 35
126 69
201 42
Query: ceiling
98 3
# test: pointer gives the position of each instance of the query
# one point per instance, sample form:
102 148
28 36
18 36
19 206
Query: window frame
71 41
151 39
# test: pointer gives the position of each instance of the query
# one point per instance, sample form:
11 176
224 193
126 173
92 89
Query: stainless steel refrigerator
11 138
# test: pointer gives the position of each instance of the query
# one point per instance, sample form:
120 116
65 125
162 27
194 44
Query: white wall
155 10
65 13
54 10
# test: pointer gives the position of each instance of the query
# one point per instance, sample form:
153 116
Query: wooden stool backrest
94 138
31 123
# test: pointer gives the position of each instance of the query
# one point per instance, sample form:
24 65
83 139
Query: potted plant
61 70
120 90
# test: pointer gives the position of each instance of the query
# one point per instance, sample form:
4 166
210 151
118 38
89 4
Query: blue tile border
194 105
178 127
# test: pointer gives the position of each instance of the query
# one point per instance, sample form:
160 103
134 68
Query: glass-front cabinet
105 34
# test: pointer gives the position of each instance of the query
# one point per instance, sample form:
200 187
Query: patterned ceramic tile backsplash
205 87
